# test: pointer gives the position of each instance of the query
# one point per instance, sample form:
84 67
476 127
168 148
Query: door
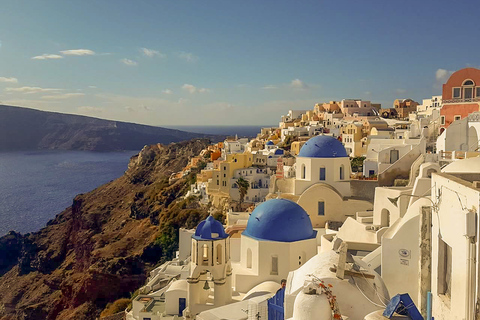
182 302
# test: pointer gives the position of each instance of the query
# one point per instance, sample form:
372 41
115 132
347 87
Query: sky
245 62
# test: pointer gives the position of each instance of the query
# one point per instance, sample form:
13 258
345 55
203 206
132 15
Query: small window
457 118
342 175
322 174
468 83
442 120
456 92
477 92
218 182
274 265
321 208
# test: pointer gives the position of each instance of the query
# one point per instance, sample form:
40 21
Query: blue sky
227 62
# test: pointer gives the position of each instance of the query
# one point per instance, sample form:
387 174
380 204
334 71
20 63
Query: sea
36 186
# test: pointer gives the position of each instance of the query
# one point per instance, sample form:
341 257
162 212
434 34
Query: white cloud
152 53
46 56
298 84
129 62
400 91
78 52
63 96
167 91
89 109
192 89
269 87
442 74
92 87
30 90
8 80
188 56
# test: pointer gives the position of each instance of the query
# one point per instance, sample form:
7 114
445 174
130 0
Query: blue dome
279 152
270 143
210 229
323 147
279 220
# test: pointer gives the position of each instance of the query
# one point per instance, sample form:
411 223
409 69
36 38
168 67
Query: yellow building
219 186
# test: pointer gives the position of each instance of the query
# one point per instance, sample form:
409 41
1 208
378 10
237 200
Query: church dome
269 143
210 229
323 147
279 220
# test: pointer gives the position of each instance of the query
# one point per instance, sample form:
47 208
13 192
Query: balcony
477 99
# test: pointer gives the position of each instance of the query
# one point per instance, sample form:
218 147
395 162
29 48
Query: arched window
342 174
219 254
194 251
468 83
303 171
205 255
323 174
249 258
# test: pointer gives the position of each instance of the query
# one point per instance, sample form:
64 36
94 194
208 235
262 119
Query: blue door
275 306
182 302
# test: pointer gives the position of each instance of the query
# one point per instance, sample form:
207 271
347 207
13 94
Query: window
442 120
322 174
321 208
274 265
249 258
477 92
303 171
457 117
468 93
219 254
218 182
341 172
456 93
468 83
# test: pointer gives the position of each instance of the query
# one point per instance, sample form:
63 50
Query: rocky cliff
29 129
103 246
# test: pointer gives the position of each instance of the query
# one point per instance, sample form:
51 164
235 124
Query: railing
476 99
457 155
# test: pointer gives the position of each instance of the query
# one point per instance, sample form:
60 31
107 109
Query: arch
342 172
472 139
205 254
249 258
385 218
303 170
194 251
430 171
219 253
468 82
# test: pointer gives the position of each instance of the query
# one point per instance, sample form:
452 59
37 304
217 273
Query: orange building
404 107
460 95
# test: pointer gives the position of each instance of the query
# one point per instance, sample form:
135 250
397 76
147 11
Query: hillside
103 246
29 129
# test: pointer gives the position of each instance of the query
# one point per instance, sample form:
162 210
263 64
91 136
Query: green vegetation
357 163
115 307
243 186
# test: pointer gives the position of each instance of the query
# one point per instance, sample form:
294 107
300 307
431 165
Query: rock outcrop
103 246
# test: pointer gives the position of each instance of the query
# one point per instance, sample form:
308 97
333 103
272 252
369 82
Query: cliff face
103 246
29 129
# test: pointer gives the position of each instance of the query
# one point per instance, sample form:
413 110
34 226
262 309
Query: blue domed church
279 238
322 182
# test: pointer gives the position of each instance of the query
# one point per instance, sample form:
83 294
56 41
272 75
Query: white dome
311 307
470 165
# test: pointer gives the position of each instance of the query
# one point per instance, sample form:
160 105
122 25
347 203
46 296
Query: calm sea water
35 186
241 131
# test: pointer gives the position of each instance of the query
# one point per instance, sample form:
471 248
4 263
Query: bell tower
210 268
